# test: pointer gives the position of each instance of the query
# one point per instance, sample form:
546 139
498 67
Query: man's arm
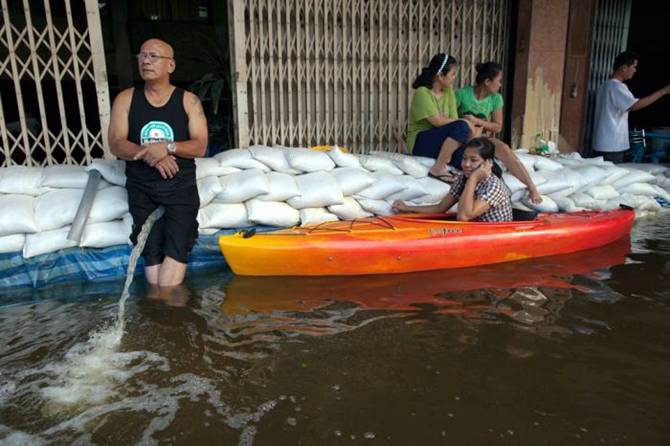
197 128
648 100
118 127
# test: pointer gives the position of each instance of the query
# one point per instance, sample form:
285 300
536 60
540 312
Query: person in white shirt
613 102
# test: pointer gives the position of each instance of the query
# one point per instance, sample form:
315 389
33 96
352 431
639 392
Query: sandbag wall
279 186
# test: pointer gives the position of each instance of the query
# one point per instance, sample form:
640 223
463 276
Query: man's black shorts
175 233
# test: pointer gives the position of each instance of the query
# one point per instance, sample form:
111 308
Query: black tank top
148 124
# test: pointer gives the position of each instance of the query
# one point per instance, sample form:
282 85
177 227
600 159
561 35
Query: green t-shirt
468 103
424 105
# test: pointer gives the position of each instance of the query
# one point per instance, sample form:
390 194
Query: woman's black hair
487 71
487 151
440 64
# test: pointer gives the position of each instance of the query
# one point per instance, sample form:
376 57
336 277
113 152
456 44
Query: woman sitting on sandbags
479 190
435 129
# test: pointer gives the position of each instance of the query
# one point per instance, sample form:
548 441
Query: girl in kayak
479 191
435 129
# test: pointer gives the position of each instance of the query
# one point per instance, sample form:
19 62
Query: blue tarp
81 264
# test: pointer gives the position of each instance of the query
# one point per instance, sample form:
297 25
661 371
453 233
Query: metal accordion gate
340 71
54 104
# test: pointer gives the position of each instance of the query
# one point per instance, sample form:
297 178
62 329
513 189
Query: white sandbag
64 177
12 243
208 189
207 231
591 175
272 213
602 192
342 159
412 189
435 189
514 184
385 185
527 160
242 186
640 189
660 192
113 171
21 180
18 214
585 201
316 216
223 215
376 163
542 163
57 208
614 174
211 167
240 158
377 207
520 206
104 234
634 176
274 158
654 169
425 161
352 179
282 187
405 163
109 204
519 195
317 190
566 204
547 204
349 210
638 202
306 160
47 241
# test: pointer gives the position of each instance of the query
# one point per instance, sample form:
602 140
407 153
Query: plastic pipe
84 206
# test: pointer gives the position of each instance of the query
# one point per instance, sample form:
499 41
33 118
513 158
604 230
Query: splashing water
91 368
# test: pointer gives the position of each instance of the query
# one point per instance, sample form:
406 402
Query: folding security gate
54 104
340 71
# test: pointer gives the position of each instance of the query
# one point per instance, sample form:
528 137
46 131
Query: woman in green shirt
482 106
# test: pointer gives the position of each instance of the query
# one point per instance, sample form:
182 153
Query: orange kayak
410 243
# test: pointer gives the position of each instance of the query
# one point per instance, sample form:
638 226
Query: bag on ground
272 213
242 186
317 190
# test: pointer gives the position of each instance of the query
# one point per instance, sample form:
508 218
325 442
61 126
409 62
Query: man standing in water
158 129
613 102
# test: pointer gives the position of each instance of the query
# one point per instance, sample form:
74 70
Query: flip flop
443 177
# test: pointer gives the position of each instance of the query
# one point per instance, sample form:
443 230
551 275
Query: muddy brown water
565 350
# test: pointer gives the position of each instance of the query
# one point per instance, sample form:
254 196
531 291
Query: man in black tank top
158 129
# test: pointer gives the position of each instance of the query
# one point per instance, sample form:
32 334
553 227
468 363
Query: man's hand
167 167
152 153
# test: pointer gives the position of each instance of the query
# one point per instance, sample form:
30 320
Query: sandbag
57 208
591 175
18 214
602 192
406 164
614 174
527 160
376 163
12 243
385 185
113 171
64 177
634 176
342 159
208 188
317 189
20 180
316 216
223 215
377 207
640 189
557 180
547 204
352 179
542 163
349 210
585 201
514 184
639 202
46 242
211 167
653 169
282 187
425 161
242 186
272 213
411 191
566 204
306 160
274 158
109 204
241 159
104 234
435 189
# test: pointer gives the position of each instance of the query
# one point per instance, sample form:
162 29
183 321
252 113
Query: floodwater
566 350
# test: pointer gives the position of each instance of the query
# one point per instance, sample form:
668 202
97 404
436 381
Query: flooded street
564 350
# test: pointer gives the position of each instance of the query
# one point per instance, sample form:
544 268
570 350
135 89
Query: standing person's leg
615 157
140 206
505 154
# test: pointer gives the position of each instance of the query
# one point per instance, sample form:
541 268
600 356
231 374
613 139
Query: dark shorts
615 157
174 234
429 142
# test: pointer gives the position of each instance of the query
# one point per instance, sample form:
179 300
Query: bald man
158 129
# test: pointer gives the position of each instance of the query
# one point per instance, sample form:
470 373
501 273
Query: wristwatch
171 148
